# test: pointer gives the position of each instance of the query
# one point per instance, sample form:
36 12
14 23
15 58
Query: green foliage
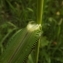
15 14
20 45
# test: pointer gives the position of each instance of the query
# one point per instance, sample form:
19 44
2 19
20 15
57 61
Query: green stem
40 5
37 51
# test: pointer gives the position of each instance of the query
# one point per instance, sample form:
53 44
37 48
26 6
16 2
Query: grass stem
40 5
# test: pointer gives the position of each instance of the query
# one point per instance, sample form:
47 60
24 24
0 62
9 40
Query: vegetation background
15 14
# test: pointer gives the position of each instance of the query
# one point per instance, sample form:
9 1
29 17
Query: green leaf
21 44
5 38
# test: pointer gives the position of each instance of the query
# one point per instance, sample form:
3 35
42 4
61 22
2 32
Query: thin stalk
40 5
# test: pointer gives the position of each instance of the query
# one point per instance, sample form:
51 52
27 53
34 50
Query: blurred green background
15 14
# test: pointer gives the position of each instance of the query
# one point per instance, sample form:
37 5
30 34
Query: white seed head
33 27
